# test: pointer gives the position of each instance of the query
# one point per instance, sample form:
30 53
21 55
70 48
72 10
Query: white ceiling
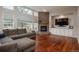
54 8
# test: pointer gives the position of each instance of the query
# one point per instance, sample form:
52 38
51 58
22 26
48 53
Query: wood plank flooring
55 43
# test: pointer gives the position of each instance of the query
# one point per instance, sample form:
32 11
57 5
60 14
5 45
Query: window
24 24
9 7
29 25
30 12
25 11
20 9
8 17
8 23
19 23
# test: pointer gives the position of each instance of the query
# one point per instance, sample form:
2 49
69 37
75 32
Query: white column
50 21
78 24
14 18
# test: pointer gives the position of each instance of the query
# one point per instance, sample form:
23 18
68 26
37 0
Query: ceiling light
44 10
61 16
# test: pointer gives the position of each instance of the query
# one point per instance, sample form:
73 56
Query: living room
39 28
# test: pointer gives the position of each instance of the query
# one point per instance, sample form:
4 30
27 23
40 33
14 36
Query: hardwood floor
54 43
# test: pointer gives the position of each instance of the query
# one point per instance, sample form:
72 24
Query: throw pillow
2 35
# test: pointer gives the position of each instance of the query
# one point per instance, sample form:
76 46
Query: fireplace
43 29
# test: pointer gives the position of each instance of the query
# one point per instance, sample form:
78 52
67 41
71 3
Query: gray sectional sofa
17 40
19 33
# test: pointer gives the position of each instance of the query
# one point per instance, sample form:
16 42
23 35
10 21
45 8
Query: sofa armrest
8 47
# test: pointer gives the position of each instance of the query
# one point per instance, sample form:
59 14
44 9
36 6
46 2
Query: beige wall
72 20
77 24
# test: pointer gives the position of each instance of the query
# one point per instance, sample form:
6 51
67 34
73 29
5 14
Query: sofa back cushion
12 32
5 32
9 32
21 31
6 39
8 47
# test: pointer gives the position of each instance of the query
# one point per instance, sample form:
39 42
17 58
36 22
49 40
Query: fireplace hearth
43 29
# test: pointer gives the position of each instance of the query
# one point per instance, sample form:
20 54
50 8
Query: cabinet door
66 32
63 32
54 31
70 32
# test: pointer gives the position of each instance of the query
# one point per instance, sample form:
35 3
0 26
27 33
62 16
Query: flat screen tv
61 21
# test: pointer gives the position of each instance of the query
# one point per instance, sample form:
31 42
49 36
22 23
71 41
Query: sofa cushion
6 39
18 36
12 32
24 43
31 49
21 31
8 47
29 34
5 32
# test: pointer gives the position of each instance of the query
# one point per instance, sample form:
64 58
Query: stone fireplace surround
43 24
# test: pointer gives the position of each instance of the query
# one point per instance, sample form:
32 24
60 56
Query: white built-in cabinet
62 31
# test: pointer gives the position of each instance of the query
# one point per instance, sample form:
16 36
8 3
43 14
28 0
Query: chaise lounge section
17 40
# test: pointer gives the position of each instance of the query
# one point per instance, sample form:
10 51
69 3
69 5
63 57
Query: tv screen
61 21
